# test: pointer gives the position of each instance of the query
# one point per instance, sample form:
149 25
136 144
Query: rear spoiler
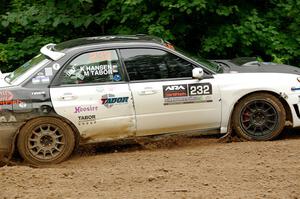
47 50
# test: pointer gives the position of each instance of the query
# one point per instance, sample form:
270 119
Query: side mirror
198 73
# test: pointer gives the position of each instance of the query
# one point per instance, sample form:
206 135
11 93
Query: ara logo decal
109 100
175 88
179 90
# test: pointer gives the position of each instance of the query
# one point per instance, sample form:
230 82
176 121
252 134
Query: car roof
110 39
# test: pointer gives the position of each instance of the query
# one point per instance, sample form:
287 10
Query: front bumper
294 102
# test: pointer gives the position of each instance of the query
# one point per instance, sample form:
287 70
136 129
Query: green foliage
212 28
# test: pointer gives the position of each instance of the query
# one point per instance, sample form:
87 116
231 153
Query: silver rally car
113 87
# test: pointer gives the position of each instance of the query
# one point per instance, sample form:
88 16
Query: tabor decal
109 100
86 119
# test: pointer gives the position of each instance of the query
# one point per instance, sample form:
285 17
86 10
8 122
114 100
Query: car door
166 98
90 91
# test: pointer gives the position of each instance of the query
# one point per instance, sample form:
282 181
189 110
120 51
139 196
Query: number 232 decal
200 89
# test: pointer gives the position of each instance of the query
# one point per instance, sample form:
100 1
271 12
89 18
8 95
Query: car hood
263 67
258 80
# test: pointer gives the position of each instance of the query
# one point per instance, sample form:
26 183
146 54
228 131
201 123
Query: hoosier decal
79 109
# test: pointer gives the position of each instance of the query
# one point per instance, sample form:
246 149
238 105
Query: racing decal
10 102
48 71
86 119
6 95
200 89
10 118
22 105
295 88
56 66
97 70
6 98
40 79
100 56
187 93
80 109
92 71
38 93
117 77
179 90
108 100
74 72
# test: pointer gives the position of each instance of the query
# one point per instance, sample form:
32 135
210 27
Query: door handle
147 91
68 96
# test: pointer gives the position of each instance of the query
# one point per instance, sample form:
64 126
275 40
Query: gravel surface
171 168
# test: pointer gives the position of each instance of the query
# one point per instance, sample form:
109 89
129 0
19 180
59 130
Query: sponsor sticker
38 93
22 105
48 71
187 93
56 66
97 70
10 102
6 95
117 77
86 119
4 119
109 100
178 90
40 79
100 56
80 109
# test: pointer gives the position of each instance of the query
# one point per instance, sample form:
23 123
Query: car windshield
210 65
32 64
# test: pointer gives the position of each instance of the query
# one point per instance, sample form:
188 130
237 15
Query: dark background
215 29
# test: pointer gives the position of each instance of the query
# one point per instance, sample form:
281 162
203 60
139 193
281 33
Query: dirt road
176 168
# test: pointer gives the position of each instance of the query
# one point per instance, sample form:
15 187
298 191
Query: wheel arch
15 138
286 106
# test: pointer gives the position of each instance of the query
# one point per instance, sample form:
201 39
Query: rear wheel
45 140
259 116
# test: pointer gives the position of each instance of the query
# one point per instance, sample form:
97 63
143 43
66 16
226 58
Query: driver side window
93 67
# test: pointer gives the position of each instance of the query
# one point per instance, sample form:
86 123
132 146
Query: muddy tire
45 140
259 116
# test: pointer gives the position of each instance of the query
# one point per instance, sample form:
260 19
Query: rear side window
147 64
93 67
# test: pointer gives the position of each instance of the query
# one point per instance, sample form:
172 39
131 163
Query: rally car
105 88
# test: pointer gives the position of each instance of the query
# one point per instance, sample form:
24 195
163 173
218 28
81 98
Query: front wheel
260 116
45 140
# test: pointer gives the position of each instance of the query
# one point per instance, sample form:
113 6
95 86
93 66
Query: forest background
214 29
